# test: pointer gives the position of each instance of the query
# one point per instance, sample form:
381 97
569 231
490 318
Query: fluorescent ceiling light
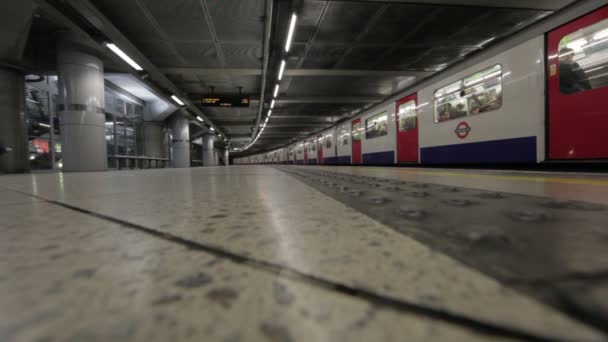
269 113
124 56
199 119
281 69
272 104
292 27
276 90
44 125
212 129
177 100
219 135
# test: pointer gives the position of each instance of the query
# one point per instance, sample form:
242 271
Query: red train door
305 153
407 129
578 88
356 139
320 150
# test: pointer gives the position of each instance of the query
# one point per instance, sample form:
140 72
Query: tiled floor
235 254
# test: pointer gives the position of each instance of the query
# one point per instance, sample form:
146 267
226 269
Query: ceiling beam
294 72
544 5
319 99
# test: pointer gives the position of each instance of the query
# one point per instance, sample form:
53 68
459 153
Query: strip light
272 104
269 113
281 69
199 119
177 100
124 56
276 90
212 129
292 27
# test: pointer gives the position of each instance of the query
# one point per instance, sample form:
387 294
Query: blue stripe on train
299 162
343 160
330 161
312 161
517 150
387 157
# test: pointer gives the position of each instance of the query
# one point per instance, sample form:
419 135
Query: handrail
137 161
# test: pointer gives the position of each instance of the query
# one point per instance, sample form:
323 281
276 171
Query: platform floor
255 253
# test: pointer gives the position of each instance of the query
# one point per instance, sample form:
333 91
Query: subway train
541 99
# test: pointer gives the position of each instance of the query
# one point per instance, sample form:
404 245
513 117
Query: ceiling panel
129 18
323 56
198 54
347 86
363 57
180 19
237 20
344 21
158 52
307 20
242 56
395 23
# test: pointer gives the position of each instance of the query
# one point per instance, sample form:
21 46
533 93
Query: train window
583 59
475 94
328 141
344 136
356 131
376 126
407 116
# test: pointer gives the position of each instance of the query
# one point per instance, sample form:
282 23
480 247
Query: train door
578 88
357 157
320 150
407 129
305 153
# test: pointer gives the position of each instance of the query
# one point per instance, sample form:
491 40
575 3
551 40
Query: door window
407 116
583 59
356 131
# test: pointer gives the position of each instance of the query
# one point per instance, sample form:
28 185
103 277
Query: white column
181 141
209 154
81 110
13 128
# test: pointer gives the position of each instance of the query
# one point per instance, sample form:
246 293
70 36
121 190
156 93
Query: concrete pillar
13 128
209 152
81 109
153 139
181 141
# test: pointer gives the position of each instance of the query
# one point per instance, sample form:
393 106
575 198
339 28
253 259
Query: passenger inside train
572 78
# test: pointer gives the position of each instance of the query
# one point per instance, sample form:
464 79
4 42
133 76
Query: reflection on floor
237 254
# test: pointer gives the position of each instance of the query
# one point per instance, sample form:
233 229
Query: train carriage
540 99
377 136
327 147
343 144
492 112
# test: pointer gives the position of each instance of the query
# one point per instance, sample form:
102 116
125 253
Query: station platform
294 253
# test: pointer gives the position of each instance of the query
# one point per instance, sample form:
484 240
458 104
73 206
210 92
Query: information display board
225 101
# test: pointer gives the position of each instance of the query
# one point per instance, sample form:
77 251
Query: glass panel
407 116
39 128
130 139
120 138
344 135
356 131
483 91
583 59
376 126
478 93
328 141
